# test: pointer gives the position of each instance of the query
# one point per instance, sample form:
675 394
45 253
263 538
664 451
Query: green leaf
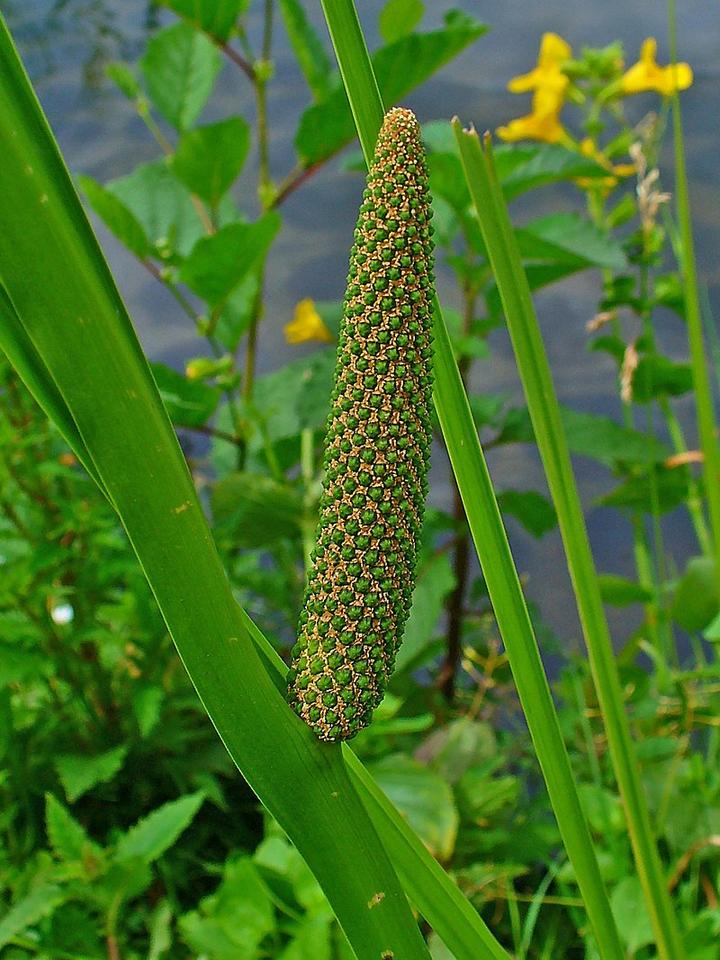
208 159
423 797
671 487
17 664
39 903
400 67
160 929
237 313
569 236
255 510
312 939
232 923
189 403
67 837
434 582
603 439
179 67
156 833
657 376
621 592
696 598
530 508
631 916
522 168
215 17
399 17
124 79
79 773
308 49
117 218
217 264
161 205
457 747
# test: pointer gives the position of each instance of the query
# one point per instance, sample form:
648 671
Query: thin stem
307 469
701 381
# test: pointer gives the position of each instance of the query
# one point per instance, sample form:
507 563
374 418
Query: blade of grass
57 279
542 403
487 528
707 425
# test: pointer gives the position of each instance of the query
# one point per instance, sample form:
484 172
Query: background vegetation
126 831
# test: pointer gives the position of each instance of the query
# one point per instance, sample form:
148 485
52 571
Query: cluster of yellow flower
549 83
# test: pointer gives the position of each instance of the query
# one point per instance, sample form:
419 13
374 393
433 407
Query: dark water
66 44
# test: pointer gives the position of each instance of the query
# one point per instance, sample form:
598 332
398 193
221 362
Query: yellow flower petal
535 126
553 49
647 74
307 324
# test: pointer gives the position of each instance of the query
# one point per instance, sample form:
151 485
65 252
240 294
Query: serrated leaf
215 17
39 903
79 773
120 221
189 403
208 159
399 17
217 264
153 835
530 508
179 67
621 592
67 837
309 51
399 67
255 510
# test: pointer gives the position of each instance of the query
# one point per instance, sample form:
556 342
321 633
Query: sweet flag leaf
399 67
208 159
218 263
119 220
215 17
180 66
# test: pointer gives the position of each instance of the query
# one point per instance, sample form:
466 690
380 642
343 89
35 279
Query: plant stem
701 381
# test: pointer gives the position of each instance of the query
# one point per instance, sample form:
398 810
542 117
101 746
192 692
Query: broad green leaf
434 582
67 837
189 403
522 168
695 603
423 797
309 51
312 939
603 439
161 205
17 664
215 17
233 921
297 395
657 376
399 17
530 508
237 313
79 773
179 67
158 831
117 218
39 903
538 275
568 236
621 592
255 510
208 159
399 67
217 264
456 747
631 916
671 488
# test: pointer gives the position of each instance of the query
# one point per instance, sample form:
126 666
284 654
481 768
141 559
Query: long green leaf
487 530
60 285
544 410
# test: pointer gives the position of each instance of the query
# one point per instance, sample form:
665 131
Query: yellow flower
307 324
547 79
588 148
646 74
535 126
550 85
